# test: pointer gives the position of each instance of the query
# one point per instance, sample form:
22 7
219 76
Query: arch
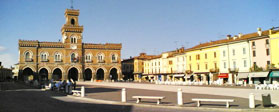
57 74
87 74
31 67
73 73
100 74
28 55
72 21
113 74
43 74
45 67
61 68
28 74
117 68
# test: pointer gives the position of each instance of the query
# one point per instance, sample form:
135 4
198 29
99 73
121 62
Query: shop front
258 77
274 76
242 78
223 78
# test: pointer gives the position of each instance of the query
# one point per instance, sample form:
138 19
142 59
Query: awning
258 74
274 74
242 75
178 75
223 75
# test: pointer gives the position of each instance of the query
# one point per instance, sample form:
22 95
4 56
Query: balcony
101 61
233 70
29 60
88 61
214 70
114 61
189 71
46 60
58 60
253 47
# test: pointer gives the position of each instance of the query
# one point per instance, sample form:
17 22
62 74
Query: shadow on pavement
34 100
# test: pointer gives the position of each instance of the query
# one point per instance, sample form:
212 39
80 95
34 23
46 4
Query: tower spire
72 4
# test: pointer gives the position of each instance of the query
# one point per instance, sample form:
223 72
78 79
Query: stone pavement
229 92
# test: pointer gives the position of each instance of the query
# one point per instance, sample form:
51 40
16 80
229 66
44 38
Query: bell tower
71 30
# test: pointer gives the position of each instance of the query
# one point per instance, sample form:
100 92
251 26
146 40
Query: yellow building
203 63
274 55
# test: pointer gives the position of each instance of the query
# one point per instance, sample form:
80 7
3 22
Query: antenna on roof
72 6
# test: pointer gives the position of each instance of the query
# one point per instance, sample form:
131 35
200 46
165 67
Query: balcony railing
46 60
231 70
101 61
214 70
29 60
88 61
58 60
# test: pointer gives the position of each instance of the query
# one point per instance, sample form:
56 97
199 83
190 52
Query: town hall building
70 58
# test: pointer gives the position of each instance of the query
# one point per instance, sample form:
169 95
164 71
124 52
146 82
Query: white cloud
8 60
2 48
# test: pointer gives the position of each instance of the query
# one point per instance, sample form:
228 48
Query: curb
171 107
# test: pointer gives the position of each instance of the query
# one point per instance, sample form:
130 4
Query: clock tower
71 30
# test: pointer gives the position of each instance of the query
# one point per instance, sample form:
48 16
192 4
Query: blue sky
151 26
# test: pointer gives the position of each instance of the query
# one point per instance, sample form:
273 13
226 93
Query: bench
76 92
213 100
158 98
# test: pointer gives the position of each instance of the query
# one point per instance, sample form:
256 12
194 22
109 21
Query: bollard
251 100
123 95
245 83
82 91
179 97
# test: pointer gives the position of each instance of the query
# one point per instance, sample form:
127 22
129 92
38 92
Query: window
225 65
159 63
88 58
100 58
197 57
215 55
267 42
215 65
190 58
170 62
198 67
224 53
206 66
244 63
255 64
244 51
254 53
268 62
190 67
44 56
267 52
234 64
73 21
57 57
114 58
205 55
28 56
233 52
73 40
253 44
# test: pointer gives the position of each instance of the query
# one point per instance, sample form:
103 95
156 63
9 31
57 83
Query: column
49 76
64 76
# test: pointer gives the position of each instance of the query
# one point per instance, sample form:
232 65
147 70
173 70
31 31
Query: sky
151 26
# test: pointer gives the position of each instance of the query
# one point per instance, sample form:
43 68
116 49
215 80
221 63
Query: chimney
228 37
260 31
240 35
142 54
235 37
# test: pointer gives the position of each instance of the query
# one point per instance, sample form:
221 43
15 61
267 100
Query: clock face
73 46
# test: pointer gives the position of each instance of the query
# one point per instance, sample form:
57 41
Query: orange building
71 58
